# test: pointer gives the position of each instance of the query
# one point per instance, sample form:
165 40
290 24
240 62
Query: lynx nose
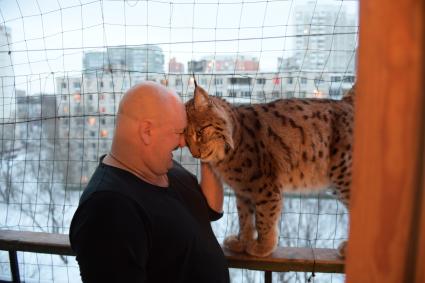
195 151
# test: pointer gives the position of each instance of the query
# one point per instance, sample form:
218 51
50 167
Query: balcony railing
284 259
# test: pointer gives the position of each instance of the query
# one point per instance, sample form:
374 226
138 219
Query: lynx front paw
260 249
234 244
342 249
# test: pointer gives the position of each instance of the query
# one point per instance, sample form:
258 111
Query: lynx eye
201 130
198 134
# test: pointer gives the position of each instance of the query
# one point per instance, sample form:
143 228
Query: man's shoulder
108 181
180 171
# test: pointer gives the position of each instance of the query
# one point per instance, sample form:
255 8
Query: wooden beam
389 130
283 259
290 259
36 242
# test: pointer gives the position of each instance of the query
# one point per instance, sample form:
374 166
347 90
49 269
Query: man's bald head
149 100
150 124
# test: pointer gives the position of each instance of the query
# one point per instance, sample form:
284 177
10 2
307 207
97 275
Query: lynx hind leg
341 178
238 243
267 216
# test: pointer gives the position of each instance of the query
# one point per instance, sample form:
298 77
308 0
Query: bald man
143 217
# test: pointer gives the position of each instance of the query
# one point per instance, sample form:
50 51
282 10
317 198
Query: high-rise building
7 90
224 64
175 67
144 59
326 38
37 116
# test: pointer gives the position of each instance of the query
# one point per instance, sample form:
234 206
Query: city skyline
49 39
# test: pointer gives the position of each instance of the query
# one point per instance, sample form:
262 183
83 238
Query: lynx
263 150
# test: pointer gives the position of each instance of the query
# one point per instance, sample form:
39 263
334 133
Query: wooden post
388 150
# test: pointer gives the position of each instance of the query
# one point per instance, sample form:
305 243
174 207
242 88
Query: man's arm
212 187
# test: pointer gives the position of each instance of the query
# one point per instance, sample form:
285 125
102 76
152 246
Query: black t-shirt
127 230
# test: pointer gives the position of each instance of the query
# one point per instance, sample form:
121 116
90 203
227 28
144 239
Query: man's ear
145 131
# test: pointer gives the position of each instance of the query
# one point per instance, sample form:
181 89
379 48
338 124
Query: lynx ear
201 98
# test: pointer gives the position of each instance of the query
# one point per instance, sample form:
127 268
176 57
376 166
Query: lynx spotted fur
263 150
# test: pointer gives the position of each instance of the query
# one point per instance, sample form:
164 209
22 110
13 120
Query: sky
50 36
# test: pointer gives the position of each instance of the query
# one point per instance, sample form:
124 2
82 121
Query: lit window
191 80
104 133
92 121
84 179
276 80
77 97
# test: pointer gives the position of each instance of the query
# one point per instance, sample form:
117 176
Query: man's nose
182 141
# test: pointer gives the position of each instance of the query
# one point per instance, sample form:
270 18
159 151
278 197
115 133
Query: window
63 85
104 133
289 94
240 81
303 80
261 81
218 93
246 94
63 97
275 93
77 97
348 79
335 79
290 80
91 121
84 179
76 85
218 81
78 109
232 93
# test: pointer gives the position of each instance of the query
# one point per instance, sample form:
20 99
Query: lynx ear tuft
194 80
